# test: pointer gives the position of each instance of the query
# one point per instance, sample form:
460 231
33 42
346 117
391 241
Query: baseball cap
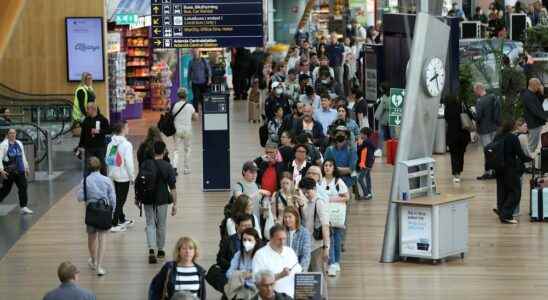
249 166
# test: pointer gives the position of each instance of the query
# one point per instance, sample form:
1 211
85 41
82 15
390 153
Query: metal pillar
49 152
419 117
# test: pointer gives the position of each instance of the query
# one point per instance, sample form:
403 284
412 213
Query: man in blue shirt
335 53
343 154
68 275
325 115
199 75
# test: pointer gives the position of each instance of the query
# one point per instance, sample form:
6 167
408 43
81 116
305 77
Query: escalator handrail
33 94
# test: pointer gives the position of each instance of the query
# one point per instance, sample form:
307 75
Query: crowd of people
288 212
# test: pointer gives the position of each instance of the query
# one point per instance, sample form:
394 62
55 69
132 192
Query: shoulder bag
466 121
98 214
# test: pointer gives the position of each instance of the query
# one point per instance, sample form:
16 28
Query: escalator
42 120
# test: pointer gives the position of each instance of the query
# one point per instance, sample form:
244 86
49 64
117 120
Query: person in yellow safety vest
83 95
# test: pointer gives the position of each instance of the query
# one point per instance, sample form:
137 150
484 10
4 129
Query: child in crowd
253 98
366 158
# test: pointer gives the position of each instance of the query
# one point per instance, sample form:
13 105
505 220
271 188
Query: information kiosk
216 141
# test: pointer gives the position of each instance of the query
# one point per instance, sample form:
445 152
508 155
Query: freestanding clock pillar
425 81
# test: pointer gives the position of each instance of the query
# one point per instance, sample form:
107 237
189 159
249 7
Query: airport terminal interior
387 149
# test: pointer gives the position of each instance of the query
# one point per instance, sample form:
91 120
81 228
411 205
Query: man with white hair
265 280
184 114
488 115
534 114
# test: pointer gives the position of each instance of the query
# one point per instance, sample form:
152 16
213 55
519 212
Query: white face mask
279 91
248 246
325 81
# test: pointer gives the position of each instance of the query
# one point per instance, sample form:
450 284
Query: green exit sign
126 19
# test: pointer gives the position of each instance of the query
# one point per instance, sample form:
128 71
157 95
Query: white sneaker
332 271
456 179
128 223
91 264
378 153
101 271
26 211
338 267
118 228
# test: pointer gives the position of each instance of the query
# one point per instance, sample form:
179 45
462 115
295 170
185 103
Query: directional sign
395 110
126 19
208 23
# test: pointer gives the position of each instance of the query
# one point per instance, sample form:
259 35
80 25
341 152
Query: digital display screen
85 51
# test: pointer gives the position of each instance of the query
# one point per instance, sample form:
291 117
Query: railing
42 109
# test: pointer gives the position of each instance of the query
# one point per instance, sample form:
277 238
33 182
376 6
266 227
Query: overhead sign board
395 110
126 19
207 23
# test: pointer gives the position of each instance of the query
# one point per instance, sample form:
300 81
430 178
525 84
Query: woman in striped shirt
182 274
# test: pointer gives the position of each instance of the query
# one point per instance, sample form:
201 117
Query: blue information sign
207 23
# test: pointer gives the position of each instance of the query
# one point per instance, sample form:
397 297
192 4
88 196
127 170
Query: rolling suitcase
539 204
391 150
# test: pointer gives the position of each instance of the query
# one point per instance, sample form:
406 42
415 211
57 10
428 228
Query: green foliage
537 39
466 89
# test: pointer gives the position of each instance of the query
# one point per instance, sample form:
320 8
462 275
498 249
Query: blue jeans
364 180
335 247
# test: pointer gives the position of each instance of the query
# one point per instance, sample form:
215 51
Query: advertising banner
85 51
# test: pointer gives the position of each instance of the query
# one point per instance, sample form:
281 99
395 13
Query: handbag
337 214
165 292
466 121
318 233
98 214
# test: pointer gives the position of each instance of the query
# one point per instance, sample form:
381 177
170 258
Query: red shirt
269 180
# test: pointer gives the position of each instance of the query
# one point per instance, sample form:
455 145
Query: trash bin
440 145
29 153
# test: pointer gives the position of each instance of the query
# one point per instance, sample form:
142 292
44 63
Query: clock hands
434 78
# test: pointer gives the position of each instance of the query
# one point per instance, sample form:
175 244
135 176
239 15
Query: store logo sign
85 47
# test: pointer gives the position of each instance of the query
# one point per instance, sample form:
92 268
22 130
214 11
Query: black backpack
227 211
166 124
146 183
494 155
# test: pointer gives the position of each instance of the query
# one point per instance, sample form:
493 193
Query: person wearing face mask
240 276
280 73
343 154
310 98
326 84
534 114
277 99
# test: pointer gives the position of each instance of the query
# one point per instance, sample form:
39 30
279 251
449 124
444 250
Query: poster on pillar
416 227
395 110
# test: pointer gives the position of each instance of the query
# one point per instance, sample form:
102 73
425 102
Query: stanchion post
49 152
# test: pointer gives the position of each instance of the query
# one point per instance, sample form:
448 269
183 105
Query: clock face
434 76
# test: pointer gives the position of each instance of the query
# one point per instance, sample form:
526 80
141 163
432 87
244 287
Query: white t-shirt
183 121
320 208
334 187
268 259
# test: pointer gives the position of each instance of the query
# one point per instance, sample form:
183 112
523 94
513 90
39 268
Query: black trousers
457 158
20 181
121 189
198 91
100 153
241 85
508 192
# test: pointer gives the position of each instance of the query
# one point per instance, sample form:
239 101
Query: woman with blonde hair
181 274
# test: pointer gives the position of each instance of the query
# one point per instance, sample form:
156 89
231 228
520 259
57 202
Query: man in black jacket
227 249
93 140
534 114
488 114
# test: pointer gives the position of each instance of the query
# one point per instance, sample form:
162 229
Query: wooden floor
504 261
